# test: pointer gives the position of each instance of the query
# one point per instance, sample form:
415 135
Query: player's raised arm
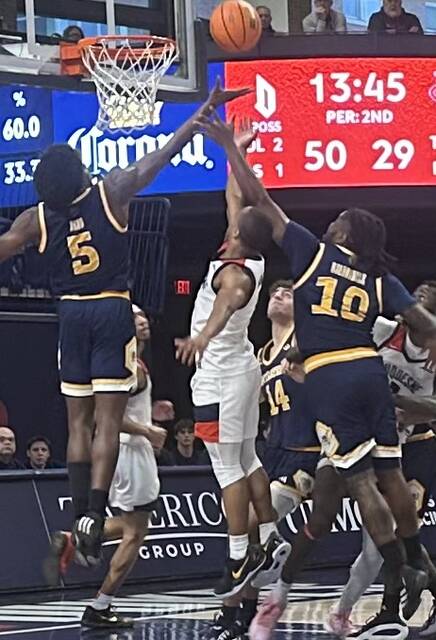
253 191
234 289
243 136
23 232
121 186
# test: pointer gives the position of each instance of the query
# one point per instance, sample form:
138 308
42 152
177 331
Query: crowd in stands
391 18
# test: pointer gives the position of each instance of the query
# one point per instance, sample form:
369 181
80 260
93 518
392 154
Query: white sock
265 530
238 546
280 591
102 601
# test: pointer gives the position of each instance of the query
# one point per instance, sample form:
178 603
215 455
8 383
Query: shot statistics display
321 123
340 122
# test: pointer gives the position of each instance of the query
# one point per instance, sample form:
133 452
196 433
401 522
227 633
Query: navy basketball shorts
97 346
292 469
419 468
355 415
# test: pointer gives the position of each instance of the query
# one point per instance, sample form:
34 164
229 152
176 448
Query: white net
127 79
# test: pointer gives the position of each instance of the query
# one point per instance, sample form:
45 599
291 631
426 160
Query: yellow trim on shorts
42 228
385 451
348 459
114 382
311 268
419 437
332 357
76 390
110 216
99 296
304 449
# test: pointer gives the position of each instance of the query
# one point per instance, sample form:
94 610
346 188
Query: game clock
340 122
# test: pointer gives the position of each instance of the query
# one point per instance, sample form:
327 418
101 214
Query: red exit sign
182 287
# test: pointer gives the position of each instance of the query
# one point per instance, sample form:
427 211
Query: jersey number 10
353 296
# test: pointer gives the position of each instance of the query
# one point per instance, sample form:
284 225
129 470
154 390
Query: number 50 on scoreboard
340 122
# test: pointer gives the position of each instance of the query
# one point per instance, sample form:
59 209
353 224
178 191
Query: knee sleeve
249 460
284 500
226 462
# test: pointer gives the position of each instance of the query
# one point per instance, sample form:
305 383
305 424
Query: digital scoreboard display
325 122
340 122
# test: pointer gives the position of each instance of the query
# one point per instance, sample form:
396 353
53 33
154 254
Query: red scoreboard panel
340 121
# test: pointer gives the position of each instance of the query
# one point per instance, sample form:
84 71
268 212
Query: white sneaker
428 629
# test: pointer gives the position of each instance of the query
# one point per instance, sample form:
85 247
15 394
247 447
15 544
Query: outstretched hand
216 129
188 350
244 134
219 96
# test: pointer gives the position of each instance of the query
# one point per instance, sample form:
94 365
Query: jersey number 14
280 401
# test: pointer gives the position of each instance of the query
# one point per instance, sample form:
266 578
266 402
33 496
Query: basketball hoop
126 71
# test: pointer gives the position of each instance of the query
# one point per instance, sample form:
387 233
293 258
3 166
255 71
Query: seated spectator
8 448
164 458
265 16
38 452
324 19
185 452
73 33
393 19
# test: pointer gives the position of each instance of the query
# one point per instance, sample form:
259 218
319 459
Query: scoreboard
324 122
340 122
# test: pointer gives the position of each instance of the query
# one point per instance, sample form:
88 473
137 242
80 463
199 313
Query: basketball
235 26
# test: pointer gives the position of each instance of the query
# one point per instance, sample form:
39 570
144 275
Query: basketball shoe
87 537
383 625
277 551
105 618
237 573
59 557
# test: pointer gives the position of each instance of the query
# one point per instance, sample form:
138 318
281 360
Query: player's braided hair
59 176
368 240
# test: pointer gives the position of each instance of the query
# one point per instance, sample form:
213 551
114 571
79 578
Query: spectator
266 20
8 448
73 33
324 19
164 458
185 453
38 452
393 19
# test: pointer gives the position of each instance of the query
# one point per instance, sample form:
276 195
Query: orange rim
159 44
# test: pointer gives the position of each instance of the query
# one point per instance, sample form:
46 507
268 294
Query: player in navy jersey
82 226
340 287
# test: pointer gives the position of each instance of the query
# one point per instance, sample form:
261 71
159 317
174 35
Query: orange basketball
235 26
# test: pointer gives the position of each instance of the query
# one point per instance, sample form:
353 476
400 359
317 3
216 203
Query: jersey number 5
353 296
280 400
85 258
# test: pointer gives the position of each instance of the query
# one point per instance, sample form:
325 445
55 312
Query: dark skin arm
23 232
252 189
234 290
122 185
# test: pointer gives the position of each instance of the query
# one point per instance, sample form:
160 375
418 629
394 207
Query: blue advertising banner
32 118
187 535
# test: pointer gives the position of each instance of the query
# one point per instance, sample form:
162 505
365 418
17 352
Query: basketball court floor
184 614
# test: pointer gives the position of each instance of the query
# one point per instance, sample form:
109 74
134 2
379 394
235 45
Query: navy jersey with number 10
336 303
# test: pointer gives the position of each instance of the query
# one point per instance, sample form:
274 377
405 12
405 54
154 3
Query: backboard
32 55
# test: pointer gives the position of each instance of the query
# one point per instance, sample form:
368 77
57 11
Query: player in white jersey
226 385
413 384
133 495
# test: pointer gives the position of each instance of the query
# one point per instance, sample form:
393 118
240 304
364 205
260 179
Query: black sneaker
428 629
87 537
277 551
237 573
415 580
222 630
107 618
385 625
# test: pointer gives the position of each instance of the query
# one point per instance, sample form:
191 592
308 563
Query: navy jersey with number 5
291 424
87 248
336 304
